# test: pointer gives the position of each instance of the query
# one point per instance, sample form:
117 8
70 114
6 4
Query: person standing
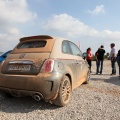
99 59
89 58
118 60
113 54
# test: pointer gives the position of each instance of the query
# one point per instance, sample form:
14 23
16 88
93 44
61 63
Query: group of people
99 55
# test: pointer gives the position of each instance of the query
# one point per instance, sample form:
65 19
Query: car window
75 49
32 44
66 47
7 54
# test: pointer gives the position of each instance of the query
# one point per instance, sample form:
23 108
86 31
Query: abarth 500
43 67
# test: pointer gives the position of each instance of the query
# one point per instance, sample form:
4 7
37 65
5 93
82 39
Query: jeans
99 64
90 64
113 66
119 66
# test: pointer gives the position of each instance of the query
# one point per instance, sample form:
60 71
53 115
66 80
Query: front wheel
87 77
64 92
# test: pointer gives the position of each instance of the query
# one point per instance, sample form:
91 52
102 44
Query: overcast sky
90 22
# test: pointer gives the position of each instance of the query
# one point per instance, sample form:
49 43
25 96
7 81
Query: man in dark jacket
99 59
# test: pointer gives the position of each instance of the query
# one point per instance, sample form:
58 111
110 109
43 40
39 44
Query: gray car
44 67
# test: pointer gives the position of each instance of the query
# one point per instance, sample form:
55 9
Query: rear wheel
64 92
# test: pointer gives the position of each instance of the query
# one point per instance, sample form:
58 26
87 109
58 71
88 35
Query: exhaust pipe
37 97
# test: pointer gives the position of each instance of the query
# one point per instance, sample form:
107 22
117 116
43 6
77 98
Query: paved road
98 100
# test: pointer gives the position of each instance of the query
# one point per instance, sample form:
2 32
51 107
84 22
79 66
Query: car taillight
48 66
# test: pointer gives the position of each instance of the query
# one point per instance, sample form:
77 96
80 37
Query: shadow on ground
113 80
23 105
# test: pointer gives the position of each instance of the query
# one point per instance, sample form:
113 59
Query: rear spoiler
36 37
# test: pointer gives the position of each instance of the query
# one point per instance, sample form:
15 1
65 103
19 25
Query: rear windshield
32 44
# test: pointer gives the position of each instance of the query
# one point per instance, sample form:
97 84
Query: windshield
5 54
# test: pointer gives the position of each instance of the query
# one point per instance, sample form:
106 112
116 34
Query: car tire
87 77
64 93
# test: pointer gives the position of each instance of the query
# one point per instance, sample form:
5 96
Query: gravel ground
98 100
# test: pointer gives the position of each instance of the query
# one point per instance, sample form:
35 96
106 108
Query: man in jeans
99 59
113 54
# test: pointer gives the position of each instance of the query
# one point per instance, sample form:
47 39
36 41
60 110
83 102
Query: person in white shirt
113 54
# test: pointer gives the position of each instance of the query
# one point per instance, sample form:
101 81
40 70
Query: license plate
19 67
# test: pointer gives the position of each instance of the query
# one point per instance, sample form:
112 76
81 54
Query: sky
91 23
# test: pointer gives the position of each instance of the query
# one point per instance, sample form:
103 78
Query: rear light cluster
48 66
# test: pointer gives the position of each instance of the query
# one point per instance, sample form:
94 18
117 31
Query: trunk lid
24 64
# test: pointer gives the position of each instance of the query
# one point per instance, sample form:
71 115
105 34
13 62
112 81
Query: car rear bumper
44 84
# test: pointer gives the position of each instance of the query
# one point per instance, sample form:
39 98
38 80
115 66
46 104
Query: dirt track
98 100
